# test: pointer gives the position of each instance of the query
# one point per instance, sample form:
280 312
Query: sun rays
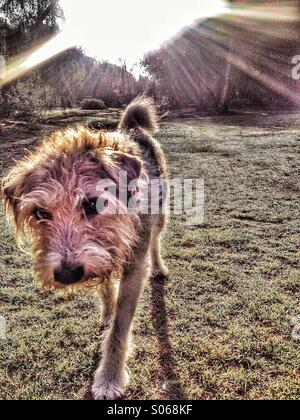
244 38
24 63
130 37
232 53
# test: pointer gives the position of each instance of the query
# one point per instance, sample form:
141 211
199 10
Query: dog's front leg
111 378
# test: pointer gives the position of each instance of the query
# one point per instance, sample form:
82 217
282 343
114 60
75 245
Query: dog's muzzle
69 274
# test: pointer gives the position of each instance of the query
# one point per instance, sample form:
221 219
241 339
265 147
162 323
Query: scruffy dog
53 196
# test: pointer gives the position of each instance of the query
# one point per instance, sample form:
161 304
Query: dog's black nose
69 274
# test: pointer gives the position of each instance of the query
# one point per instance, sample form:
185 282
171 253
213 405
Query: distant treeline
242 59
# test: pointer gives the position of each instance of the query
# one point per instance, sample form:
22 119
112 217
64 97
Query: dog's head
53 198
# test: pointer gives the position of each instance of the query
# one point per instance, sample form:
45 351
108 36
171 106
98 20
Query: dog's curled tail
140 113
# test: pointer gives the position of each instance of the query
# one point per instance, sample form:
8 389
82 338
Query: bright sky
127 29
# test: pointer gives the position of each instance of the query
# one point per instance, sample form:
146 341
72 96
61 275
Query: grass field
220 327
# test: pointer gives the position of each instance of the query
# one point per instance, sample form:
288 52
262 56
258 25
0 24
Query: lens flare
24 63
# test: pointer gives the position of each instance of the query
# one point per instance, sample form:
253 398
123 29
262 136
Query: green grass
220 328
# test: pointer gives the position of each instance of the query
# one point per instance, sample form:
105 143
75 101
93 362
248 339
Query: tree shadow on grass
170 384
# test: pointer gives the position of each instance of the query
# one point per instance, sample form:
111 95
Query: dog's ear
130 164
13 187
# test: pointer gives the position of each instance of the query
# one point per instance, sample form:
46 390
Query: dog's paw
105 389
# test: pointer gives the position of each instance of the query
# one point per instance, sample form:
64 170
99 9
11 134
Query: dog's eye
42 214
90 207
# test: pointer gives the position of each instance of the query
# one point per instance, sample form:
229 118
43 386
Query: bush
93 104
104 124
23 98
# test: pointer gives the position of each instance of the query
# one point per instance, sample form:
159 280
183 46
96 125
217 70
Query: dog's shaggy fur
50 196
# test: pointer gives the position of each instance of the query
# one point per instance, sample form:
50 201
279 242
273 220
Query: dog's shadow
170 386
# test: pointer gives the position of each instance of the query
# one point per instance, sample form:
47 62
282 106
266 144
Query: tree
28 22
23 25
243 56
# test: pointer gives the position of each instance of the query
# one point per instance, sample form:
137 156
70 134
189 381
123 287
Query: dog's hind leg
111 378
158 267
108 293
